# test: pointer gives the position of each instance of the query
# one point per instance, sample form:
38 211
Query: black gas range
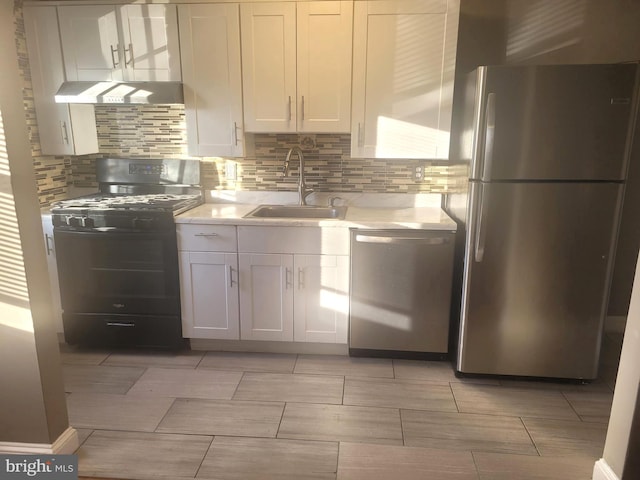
117 253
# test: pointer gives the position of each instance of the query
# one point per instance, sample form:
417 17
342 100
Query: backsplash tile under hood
158 131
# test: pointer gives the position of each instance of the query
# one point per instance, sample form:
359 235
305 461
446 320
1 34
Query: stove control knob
88 222
73 221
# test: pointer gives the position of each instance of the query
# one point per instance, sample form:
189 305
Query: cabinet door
324 31
266 297
90 42
150 42
64 129
321 301
399 94
210 45
209 295
269 66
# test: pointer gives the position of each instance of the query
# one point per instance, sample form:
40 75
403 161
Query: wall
32 398
625 398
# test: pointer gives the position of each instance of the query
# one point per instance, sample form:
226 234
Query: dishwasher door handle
391 240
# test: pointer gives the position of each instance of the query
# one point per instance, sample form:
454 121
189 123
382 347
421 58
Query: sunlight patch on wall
13 281
541 27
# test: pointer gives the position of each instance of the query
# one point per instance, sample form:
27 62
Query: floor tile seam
404 441
144 370
475 465
105 358
455 400
302 440
317 374
204 456
340 405
551 392
573 409
231 400
424 410
110 430
204 354
498 415
244 370
408 381
235 390
173 402
526 429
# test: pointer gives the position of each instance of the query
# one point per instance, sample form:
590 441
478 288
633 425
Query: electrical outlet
230 170
418 173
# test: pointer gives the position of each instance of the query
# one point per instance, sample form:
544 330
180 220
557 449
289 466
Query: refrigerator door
536 278
562 122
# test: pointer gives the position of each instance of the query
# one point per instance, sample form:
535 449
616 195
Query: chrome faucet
303 191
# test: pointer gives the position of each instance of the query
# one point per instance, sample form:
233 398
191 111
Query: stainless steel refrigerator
547 149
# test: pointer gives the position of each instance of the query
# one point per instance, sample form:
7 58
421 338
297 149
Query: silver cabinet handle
289 108
115 51
389 240
231 282
48 240
360 136
287 282
235 133
64 132
130 61
302 109
206 235
300 278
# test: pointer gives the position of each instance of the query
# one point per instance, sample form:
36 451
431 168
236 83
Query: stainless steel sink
297 211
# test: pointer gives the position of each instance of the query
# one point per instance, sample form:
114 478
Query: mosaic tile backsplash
159 131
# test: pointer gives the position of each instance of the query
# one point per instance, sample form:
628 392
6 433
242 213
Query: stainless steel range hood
111 93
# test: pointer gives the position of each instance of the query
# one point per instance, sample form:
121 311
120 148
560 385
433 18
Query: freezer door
536 278
567 122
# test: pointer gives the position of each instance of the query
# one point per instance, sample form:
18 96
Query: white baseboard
65 444
602 471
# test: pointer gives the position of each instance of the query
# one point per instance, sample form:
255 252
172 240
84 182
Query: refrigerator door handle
489 131
481 230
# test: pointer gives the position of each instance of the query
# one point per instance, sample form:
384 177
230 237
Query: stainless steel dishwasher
400 292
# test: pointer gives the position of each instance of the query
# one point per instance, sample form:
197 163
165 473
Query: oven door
118 272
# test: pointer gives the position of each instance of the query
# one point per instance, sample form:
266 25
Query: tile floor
224 416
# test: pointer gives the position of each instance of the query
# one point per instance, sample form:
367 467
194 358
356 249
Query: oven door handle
120 324
207 235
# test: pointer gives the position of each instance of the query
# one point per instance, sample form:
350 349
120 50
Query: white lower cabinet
321 301
209 281
209 293
269 283
266 297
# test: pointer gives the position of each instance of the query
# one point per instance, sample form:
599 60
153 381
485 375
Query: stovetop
152 201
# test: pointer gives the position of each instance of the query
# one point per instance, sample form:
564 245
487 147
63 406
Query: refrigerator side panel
534 304
563 122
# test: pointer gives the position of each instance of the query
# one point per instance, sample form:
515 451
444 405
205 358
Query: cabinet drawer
207 238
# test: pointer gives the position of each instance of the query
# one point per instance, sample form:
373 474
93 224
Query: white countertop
428 218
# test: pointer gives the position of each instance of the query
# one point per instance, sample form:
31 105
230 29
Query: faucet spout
303 190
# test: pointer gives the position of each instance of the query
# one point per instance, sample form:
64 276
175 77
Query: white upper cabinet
64 129
296 66
403 69
212 78
127 42
324 66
